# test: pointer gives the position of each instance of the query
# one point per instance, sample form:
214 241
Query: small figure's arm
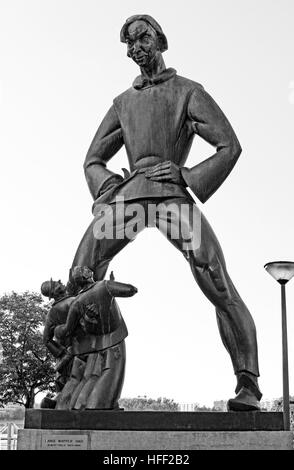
119 289
210 123
55 348
106 143
68 328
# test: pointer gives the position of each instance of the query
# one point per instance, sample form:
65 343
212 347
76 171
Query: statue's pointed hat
47 288
163 45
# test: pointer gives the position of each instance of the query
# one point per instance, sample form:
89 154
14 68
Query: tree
27 367
278 407
278 404
148 404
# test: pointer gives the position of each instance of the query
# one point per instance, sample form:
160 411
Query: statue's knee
215 273
218 278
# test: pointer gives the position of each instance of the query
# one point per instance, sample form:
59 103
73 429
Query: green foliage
148 404
27 367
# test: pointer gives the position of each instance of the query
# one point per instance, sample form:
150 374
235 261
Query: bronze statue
56 316
156 119
95 332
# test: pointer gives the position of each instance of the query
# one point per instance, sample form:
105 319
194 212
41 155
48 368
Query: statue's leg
198 243
81 393
88 254
105 237
64 399
107 389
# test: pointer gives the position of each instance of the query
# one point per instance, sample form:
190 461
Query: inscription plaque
64 442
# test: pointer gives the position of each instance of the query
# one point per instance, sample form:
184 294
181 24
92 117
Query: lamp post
282 272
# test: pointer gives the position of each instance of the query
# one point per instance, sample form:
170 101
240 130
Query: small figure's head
53 289
82 275
144 38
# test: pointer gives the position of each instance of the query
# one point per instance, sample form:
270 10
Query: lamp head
281 271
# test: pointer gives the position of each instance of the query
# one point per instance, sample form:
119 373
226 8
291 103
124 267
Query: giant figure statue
156 119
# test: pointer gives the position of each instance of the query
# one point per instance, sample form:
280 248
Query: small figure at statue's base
95 333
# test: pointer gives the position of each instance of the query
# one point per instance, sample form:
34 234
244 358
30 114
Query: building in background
220 405
187 406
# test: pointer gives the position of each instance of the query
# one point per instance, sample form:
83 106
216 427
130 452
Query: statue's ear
111 277
128 52
162 43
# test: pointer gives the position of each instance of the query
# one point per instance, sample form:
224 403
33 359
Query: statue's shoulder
62 304
69 300
52 314
98 289
58 309
188 84
125 95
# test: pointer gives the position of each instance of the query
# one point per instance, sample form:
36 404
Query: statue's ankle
250 381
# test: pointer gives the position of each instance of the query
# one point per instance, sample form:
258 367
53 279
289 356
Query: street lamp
283 271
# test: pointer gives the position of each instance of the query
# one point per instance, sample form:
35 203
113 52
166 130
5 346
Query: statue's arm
106 143
48 336
119 289
72 321
210 123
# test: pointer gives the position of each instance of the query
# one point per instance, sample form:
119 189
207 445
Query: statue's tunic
96 313
157 120
56 316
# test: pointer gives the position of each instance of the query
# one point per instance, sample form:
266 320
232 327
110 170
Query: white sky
61 66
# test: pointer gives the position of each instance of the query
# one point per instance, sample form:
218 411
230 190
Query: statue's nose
137 46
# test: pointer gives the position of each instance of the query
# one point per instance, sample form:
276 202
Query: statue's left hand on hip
167 172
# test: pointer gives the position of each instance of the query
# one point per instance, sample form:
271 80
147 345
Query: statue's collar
142 82
61 298
87 288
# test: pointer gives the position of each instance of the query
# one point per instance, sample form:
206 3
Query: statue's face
82 275
59 288
142 43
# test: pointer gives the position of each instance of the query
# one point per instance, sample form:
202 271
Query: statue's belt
108 197
94 343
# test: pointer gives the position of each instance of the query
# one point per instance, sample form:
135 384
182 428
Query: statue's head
53 289
82 275
144 38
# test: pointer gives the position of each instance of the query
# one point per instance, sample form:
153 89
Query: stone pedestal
40 439
121 430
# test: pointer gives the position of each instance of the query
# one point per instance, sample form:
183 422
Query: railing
8 436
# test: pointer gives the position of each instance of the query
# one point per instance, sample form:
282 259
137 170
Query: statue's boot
248 394
244 401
